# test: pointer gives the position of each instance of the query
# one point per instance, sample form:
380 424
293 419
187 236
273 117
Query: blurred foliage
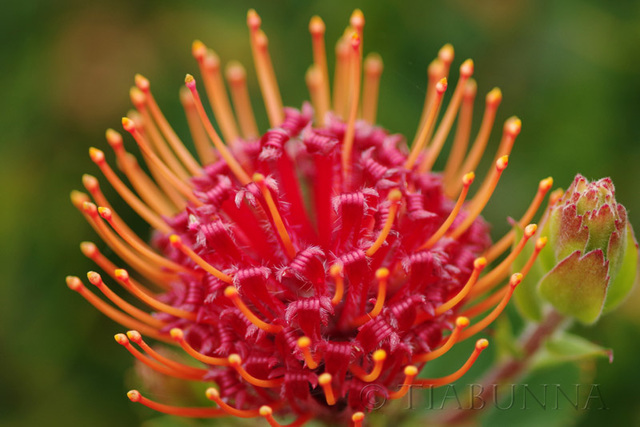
569 69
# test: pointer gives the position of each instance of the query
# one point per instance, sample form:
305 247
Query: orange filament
91 184
163 183
143 119
151 192
200 139
176 242
435 72
501 271
555 196
79 200
90 250
461 323
371 88
147 269
262 43
175 181
232 293
127 195
421 139
178 336
209 63
172 138
446 55
93 187
214 395
275 215
325 382
347 144
144 250
172 369
438 69
483 196
481 344
478 265
467 180
135 312
463 131
485 304
466 70
89 211
233 164
153 364
512 128
513 282
492 300
410 373
317 30
303 344
382 275
143 185
356 20
198 50
144 266
540 244
135 396
123 277
75 284
236 363
185 369
493 99
379 356
357 419
267 413
394 198
336 272
502 245
341 77
264 70
313 78
237 78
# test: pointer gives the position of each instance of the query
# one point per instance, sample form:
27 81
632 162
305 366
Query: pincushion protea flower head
302 265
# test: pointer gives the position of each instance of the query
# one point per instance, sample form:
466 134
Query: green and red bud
591 260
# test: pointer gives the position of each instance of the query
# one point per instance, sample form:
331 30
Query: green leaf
577 286
516 405
547 258
567 347
601 224
628 275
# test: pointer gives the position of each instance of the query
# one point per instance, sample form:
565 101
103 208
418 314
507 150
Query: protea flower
303 264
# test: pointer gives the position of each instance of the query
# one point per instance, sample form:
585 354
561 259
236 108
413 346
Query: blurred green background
569 69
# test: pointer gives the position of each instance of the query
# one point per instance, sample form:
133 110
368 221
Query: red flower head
305 264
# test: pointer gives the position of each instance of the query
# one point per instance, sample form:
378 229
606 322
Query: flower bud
590 262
